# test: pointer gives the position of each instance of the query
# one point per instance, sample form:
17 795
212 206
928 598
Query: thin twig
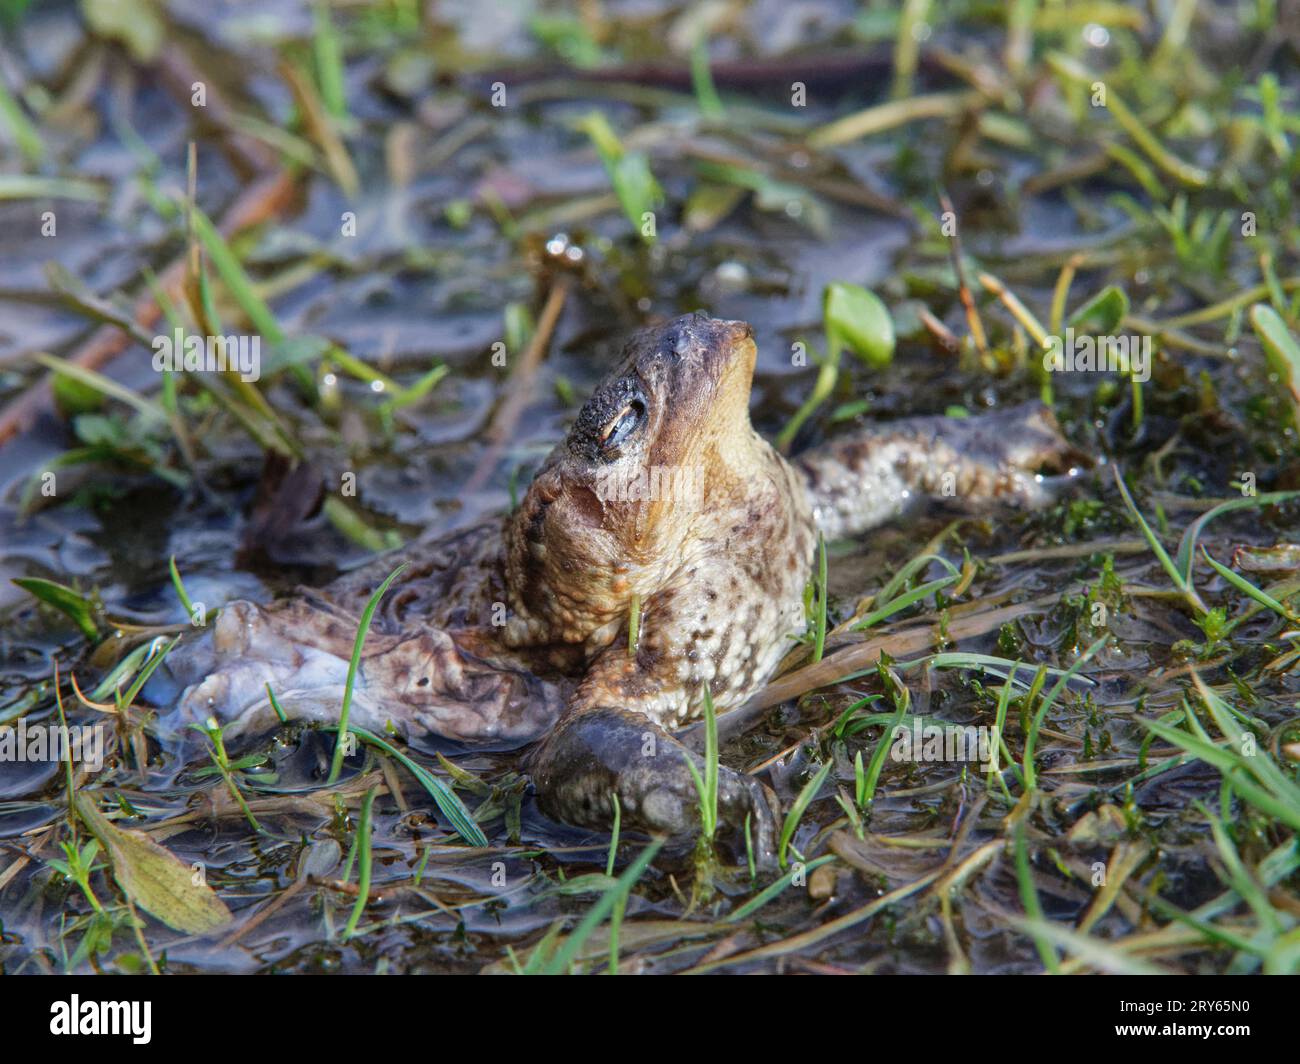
973 321
520 391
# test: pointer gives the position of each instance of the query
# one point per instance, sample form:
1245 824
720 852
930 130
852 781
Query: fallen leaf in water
155 878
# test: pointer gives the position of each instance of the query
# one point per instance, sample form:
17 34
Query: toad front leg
722 625
602 751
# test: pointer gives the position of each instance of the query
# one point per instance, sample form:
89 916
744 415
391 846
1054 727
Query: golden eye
622 425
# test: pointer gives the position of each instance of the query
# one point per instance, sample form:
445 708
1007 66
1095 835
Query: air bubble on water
732 274
1095 35
376 386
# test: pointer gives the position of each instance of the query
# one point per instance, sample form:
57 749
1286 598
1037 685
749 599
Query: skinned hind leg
421 679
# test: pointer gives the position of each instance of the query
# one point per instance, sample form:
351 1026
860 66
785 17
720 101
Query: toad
661 552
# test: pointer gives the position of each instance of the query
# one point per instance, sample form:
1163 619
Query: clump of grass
707 785
865 780
1248 769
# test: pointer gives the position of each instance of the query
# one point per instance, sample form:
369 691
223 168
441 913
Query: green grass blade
364 861
562 960
773 889
797 810
1247 588
1029 899
1187 545
64 599
444 797
1031 737
337 764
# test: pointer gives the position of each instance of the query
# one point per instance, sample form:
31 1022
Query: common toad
662 496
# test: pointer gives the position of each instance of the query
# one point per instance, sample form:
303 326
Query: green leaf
773 889
635 186
706 95
637 190
136 23
154 878
1103 313
709 203
65 600
103 384
1247 588
236 279
856 318
1183 583
1280 349
568 37
74 396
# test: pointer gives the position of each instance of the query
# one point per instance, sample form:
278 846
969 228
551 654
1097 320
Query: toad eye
622 425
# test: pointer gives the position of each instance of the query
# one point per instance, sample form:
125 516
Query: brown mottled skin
517 630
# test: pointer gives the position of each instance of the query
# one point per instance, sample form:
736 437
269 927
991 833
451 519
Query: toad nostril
677 341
